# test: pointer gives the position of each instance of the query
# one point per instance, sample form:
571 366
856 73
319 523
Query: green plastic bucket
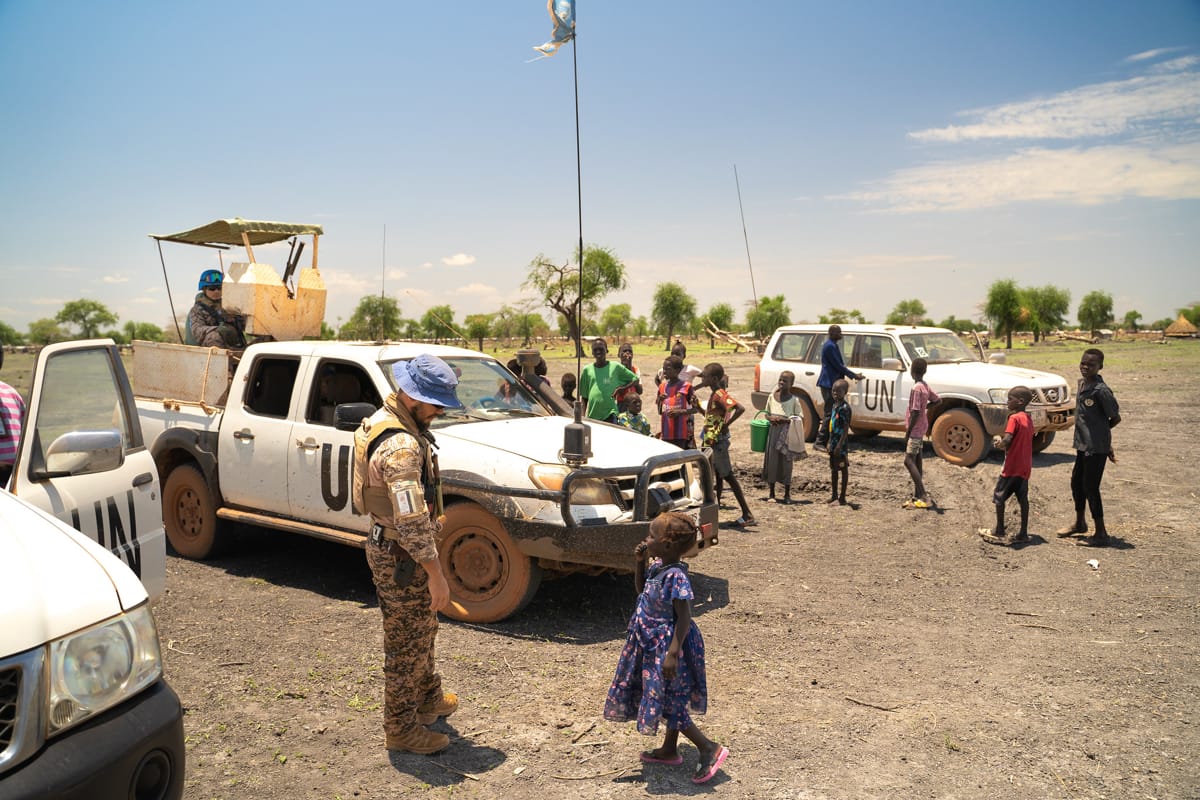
760 429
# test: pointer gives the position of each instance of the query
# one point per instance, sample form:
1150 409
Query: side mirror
893 364
348 416
83 453
997 358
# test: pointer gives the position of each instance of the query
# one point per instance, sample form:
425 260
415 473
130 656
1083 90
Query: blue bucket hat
428 379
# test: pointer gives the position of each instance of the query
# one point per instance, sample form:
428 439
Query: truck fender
176 446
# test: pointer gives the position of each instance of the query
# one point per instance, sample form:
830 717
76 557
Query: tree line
555 287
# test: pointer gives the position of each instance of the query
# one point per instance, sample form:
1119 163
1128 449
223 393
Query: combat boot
428 713
419 740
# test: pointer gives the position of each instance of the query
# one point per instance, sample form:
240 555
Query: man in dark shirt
832 368
1096 414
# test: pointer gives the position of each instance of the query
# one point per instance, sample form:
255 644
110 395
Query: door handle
143 479
243 435
310 445
810 373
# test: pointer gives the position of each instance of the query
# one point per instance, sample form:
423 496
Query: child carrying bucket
783 413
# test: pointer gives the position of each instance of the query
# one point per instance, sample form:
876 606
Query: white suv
974 392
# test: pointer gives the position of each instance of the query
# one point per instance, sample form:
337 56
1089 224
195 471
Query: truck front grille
10 692
673 479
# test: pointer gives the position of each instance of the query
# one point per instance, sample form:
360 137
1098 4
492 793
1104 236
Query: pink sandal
707 774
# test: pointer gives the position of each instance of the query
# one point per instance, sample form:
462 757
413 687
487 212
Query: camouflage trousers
409 629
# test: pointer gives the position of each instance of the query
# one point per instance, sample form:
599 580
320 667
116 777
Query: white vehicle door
81 392
256 435
320 456
882 396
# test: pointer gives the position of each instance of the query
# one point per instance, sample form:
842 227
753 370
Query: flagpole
579 204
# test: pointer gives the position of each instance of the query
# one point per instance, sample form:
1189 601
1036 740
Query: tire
811 420
490 579
189 513
959 438
1042 440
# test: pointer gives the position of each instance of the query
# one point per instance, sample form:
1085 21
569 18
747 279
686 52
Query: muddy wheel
189 513
958 437
1042 440
811 420
490 579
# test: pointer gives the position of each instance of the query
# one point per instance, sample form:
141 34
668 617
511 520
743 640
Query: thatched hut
1180 328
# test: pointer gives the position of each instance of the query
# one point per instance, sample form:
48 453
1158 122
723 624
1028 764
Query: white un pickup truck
84 710
974 392
260 446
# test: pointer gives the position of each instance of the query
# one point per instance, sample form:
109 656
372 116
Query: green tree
615 319
328 332
478 326
771 313
375 319
1191 314
840 316
1161 324
438 323
958 325
907 312
412 329
641 327
1003 307
143 331
88 315
1095 311
673 308
9 335
721 315
558 285
1047 306
1131 320
46 331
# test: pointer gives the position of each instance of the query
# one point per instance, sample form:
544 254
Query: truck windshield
487 391
941 347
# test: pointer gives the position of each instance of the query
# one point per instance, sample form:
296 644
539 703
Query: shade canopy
229 232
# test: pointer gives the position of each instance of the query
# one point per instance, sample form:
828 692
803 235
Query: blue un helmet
210 278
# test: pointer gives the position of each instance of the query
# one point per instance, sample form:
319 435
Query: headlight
99 667
584 491
998 396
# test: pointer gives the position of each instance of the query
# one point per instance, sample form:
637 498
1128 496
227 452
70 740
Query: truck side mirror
348 416
894 364
997 358
83 453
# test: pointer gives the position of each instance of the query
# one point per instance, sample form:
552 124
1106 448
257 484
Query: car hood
539 439
981 375
55 579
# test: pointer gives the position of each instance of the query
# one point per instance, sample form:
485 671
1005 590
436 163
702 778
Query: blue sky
885 150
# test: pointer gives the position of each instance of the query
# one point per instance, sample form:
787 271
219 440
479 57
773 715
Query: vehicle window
873 350
846 345
269 392
63 407
487 391
338 382
940 347
793 346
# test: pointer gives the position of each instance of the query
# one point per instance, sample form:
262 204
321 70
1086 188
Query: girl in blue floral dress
660 673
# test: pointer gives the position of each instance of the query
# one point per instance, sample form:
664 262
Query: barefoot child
782 406
719 414
919 400
839 433
660 673
1017 444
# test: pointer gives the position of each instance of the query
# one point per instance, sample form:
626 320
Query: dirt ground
865 651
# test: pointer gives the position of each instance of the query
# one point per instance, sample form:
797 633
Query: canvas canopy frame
223 234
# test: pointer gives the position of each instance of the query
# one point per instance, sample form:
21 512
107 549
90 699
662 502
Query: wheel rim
958 439
188 514
478 568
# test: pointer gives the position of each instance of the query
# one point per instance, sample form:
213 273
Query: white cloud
395 273
143 301
1081 176
459 260
114 279
476 288
348 283
1149 55
1103 109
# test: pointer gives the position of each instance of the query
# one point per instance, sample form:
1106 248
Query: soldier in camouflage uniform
401 475
210 325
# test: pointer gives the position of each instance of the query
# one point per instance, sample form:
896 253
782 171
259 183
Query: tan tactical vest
376 500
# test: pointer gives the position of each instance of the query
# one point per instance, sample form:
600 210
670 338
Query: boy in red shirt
1017 444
